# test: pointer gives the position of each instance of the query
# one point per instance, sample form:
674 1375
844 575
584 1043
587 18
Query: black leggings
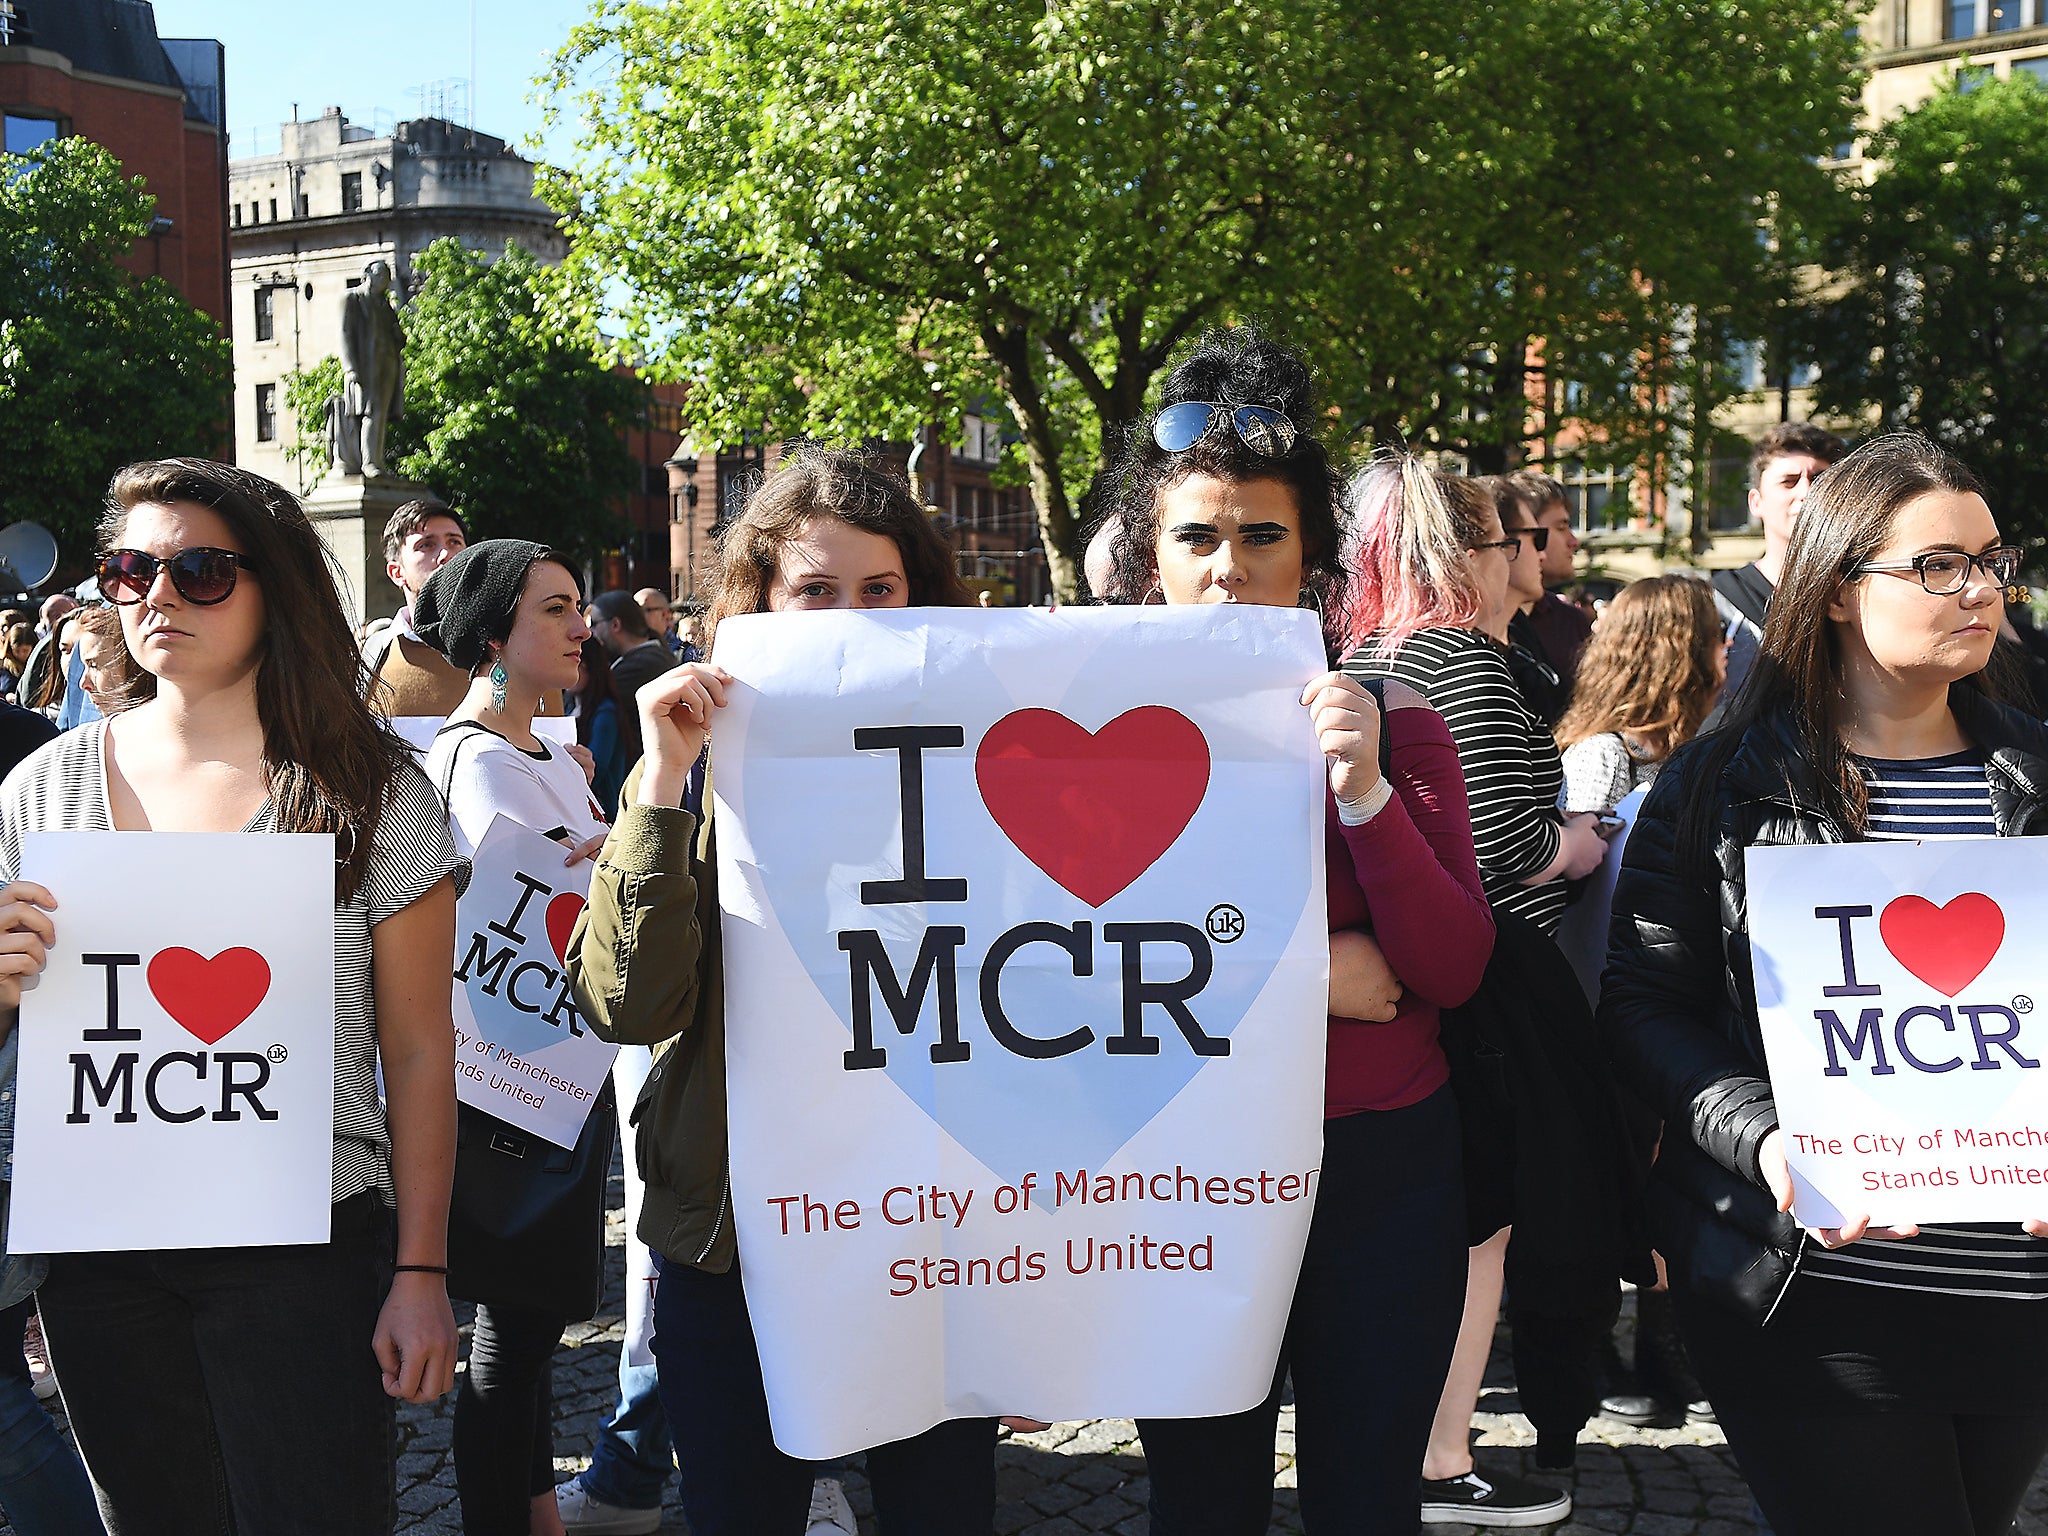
504 1410
1819 1472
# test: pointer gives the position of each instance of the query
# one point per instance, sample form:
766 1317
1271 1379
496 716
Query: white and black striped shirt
1512 772
63 788
1937 799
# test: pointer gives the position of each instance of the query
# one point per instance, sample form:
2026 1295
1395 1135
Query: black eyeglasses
201 575
1540 537
1262 429
1945 572
1511 546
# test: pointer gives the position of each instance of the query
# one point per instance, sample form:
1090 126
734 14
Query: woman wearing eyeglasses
1225 499
1902 1383
254 1389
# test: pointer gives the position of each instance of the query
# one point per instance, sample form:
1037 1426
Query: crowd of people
1487 739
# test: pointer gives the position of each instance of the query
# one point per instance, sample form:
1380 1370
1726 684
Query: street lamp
682 467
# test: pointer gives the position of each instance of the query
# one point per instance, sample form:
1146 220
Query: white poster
1026 989
522 1051
1896 984
176 1086
1582 934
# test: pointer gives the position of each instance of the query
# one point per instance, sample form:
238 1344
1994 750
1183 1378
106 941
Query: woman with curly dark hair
1225 495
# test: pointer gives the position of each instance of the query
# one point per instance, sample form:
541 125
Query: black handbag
526 1220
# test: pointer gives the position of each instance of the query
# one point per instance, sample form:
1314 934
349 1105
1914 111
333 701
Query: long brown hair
328 762
1648 670
1846 519
846 483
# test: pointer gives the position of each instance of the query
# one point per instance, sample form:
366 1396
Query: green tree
1938 319
848 217
518 422
98 367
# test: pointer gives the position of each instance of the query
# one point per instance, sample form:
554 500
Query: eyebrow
1195 527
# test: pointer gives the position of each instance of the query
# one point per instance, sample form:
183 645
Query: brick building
97 69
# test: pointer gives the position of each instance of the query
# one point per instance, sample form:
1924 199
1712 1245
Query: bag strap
1377 687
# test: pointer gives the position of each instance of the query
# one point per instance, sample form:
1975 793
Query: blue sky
372 59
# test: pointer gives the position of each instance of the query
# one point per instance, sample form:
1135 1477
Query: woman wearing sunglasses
1901 1387
239 1389
1221 502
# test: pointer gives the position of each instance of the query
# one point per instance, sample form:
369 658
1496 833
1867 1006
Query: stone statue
372 375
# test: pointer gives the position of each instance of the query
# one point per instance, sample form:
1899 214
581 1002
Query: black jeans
216 1390
1368 1342
504 1408
734 1480
1817 1472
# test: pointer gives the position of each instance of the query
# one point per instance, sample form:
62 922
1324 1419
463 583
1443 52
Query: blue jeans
632 1460
737 1483
43 1487
1369 1341
216 1390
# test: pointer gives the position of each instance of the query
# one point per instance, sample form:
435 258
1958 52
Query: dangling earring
498 681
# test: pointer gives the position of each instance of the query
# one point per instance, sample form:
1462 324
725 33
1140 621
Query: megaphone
28 552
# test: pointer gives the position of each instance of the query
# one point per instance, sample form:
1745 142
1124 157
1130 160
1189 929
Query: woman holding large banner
509 613
1227 497
828 530
238 1388
1885 1379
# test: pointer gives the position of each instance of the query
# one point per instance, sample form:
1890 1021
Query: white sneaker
831 1515
580 1512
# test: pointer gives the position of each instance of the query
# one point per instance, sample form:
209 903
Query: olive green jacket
645 965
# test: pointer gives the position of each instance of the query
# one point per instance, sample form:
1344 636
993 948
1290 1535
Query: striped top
1932 800
1512 772
63 788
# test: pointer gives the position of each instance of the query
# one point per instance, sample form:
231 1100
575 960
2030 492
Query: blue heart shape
822 819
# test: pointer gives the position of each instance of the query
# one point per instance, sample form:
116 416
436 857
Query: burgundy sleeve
1415 863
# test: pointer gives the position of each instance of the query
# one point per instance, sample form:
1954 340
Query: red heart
1946 947
562 914
209 997
1094 811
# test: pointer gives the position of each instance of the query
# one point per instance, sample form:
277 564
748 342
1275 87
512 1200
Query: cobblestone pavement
1090 1477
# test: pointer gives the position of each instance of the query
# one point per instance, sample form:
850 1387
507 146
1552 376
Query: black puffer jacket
1678 1004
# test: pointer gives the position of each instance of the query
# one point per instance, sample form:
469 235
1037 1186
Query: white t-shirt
482 775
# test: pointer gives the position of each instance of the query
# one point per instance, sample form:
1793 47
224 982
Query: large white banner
522 1049
1896 984
176 1085
1026 982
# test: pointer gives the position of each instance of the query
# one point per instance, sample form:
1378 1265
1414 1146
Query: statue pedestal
350 513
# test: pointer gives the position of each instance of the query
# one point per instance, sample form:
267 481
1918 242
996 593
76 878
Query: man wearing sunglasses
1551 629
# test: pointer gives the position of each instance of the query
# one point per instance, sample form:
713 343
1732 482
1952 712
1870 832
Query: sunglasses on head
1262 429
200 575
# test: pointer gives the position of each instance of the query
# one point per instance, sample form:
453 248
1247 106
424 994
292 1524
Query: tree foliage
98 367
1938 319
850 217
512 418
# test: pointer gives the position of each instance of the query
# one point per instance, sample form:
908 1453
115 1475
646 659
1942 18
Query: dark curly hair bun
1239 365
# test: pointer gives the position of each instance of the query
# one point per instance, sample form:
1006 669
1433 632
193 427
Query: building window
2007 15
273 210
25 133
305 206
2031 69
1970 76
266 413
266 313
352 192
236 210
1598 498
1971 18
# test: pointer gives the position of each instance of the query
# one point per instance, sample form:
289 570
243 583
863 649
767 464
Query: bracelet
421 1269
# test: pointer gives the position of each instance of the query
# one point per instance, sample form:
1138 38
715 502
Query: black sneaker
1505 1501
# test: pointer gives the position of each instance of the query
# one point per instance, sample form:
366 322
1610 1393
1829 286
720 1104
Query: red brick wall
181 164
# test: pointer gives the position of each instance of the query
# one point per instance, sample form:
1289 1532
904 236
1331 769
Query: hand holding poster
522 1051
176 1085
1026 981
1896 987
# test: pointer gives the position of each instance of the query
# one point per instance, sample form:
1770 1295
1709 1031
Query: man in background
1553 631
620 625
1785 463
